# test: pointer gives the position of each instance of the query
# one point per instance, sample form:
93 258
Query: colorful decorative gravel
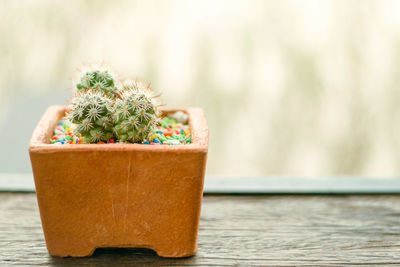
63 134
173 131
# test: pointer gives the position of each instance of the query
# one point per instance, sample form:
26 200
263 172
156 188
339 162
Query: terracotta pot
119 195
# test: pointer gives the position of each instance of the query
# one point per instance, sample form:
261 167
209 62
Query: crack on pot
127 190
113 210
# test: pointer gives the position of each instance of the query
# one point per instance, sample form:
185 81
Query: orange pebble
168 133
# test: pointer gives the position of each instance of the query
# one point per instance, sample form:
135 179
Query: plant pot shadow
121 257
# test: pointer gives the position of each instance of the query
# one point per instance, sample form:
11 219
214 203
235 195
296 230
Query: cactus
98 80
92 112
135 113
102 110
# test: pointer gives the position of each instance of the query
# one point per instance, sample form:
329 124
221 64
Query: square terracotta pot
119 195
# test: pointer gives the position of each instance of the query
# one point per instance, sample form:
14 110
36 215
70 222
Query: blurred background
302 88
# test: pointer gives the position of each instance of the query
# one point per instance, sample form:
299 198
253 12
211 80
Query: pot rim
40 140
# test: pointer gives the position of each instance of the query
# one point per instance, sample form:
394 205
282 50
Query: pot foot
178 253
86 252
78 253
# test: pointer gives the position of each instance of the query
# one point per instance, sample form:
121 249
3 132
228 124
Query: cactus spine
135 113
92 112
98 80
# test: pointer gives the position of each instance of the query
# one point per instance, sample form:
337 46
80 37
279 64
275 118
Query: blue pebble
146 142
182 131
159 132
156 140
61 123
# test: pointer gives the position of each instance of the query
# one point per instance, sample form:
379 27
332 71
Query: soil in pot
173 130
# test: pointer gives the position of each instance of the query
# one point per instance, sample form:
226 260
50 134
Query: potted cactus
120 183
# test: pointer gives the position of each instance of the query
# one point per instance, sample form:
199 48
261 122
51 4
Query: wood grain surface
238 230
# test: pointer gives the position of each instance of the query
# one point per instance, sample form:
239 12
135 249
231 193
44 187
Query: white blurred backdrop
304 88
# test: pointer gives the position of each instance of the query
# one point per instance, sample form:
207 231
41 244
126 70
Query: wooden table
264 230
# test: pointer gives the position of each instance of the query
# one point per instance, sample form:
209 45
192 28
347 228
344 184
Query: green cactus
92 112
98 80
135 113
103 111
